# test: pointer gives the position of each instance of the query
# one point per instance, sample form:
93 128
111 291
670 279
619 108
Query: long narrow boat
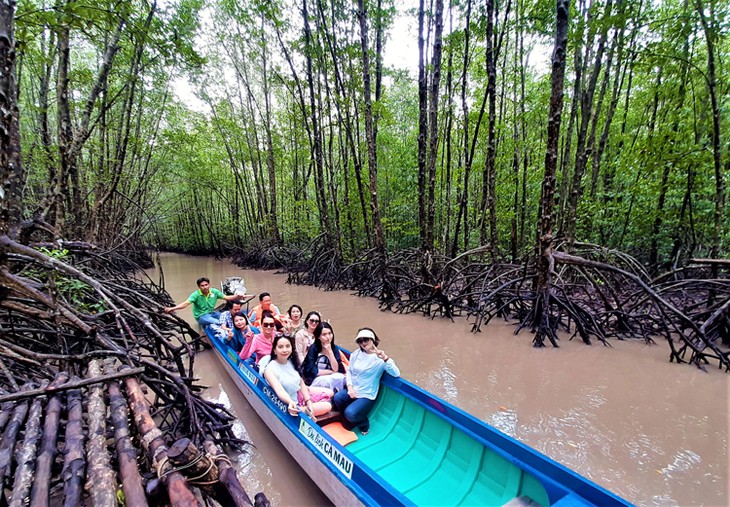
420 451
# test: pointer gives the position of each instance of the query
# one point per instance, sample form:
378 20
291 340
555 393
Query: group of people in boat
298 358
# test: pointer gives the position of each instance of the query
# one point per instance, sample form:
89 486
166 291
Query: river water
653 432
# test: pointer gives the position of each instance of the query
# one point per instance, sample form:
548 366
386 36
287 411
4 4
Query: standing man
204 300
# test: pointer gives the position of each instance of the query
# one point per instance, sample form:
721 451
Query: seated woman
260 344
241 332
323 365
305 336
225 321
294 321
283 376
367 365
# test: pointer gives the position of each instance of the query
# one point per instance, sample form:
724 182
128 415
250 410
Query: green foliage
197 179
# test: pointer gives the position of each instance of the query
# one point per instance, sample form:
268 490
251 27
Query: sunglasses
314 321
268 325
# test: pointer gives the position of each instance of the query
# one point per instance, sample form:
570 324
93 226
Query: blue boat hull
347 480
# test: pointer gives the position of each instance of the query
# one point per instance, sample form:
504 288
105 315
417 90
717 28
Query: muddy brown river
653 432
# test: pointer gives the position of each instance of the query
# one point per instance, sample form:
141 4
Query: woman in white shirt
367 365
283 376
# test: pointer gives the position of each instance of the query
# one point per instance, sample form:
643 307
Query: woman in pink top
261 343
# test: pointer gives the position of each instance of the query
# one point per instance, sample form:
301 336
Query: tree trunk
428 243
541 310
422 129
370 134
317 153
709 26
582 150
11 168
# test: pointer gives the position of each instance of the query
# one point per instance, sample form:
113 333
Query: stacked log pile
84 346
93 441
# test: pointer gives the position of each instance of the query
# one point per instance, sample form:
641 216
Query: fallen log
6 409
227 477
101 479
26 457
74 464
40 492
154 443
74 384
10 435
126 452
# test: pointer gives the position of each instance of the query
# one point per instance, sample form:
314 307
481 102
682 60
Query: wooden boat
420 451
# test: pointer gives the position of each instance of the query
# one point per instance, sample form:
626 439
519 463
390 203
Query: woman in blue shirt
367 365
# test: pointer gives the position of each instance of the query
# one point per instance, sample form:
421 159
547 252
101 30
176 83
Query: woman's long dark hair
293 357
318 333
240 314
313 312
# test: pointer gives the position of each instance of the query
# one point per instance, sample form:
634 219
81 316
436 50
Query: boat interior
432 462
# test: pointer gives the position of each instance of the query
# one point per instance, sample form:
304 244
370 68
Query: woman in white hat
367 365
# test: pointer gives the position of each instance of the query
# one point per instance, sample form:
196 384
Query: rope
193 480
177 468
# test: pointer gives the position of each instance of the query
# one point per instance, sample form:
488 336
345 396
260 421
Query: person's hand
230 335
293 408
168 309
351 392
249 334
382 355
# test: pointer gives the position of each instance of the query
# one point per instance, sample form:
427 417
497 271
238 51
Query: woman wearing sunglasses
323 365
367 365
305 336
260 345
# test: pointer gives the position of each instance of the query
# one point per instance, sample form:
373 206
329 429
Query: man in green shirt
204 300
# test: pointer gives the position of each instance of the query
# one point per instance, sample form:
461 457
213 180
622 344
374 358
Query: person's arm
348 376
273 381
309 367
247 349
300 345
242 298
340 364
390 365
307 398
179 306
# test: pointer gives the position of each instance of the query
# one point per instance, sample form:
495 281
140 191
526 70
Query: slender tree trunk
11 167
541 310
370 135
488 201
435 82
709 26
582 151
461 213
270 162
316 136
422 128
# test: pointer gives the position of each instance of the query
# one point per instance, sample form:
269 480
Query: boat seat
455 476
384 416
424 458
497 482
398 441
